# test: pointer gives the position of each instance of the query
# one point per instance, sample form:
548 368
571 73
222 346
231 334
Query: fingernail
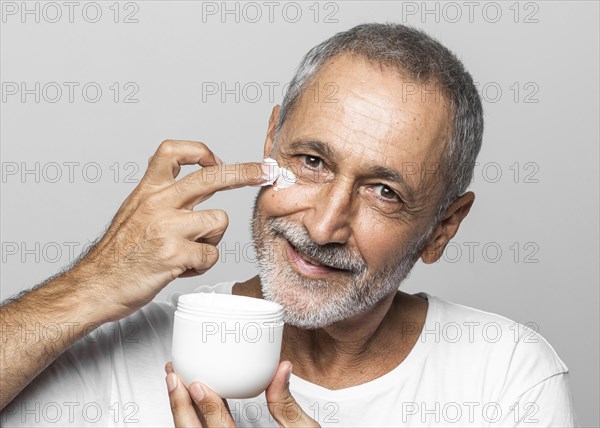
288 375
218 159
197 392
171 382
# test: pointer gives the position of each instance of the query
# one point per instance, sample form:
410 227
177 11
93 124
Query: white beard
312 303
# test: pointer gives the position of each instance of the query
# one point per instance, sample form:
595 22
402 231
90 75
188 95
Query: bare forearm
40 326
155 237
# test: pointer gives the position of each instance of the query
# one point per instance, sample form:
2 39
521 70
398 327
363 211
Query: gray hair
424 59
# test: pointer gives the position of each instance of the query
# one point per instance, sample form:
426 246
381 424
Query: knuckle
211 221
166 148
176 403
208 254
181 187
202 146
156 228
290 413
170 252
150 203
220 218
209 407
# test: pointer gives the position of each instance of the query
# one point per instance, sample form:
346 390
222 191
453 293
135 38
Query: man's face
364 144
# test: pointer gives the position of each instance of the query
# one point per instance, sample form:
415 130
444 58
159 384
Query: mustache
335 255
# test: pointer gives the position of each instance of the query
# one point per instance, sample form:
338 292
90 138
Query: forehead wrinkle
369 122
362 107
347 150
393 121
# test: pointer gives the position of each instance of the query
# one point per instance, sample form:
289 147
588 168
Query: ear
270 138
447 228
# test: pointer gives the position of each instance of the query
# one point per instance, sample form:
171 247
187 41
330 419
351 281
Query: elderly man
382 157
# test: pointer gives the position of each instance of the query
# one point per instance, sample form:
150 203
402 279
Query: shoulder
491 345
454 322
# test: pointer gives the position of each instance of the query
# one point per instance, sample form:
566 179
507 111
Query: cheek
380 242
287 201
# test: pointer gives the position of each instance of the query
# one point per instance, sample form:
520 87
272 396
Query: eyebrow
394 176
376 171
314 145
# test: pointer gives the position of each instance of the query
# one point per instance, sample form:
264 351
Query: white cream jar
230 343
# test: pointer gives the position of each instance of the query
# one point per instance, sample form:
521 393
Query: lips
308 266
310 259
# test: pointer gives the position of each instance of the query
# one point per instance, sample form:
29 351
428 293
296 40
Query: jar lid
229 306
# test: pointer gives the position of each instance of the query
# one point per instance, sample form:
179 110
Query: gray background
529 248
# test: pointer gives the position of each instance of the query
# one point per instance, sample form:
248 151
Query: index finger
201 185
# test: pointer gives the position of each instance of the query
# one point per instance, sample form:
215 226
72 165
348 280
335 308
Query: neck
345 344
360 345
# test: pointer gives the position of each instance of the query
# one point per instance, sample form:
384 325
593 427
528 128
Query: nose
329 219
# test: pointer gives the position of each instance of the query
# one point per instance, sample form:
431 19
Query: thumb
282 405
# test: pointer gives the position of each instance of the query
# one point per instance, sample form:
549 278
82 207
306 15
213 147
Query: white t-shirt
468 368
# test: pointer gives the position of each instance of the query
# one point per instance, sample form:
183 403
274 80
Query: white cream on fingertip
279 177
270 170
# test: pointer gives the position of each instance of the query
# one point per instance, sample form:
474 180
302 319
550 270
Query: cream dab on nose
278 177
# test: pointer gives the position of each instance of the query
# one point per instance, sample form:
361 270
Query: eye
384 192
314 162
